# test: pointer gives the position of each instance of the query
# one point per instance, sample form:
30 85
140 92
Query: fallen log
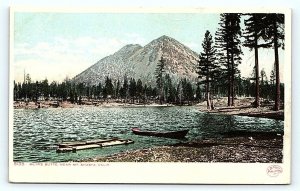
98 143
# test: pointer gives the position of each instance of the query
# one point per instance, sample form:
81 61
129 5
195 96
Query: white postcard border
175 173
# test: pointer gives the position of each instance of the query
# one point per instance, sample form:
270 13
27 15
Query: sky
57 46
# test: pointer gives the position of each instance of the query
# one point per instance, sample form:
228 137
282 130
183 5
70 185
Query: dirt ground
243 106
240 149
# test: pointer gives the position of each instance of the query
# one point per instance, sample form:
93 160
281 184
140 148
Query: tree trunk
229 85
208 96
257 102
212 97
232 90
232 79
277 98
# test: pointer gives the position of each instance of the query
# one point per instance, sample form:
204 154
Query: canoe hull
174 134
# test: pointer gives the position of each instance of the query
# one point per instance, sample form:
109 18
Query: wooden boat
81 145
172 134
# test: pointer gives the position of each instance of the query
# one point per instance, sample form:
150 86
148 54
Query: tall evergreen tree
132 89
229 49
108 89
170 91
272 77
160 69
254 32
207 66
99 90
180 92
198 93
274 32
124 89
139 89
117 89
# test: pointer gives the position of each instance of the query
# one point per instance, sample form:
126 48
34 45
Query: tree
272 77
264 85
272 85
180 92
263 76
186 91
274 33
159 77
45 88
189 92
108 89
207 66
169 89
132 89
117 89
139 89
99 90
229 50
198 93
254 31
124 89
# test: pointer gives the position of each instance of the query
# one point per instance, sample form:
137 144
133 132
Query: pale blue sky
60 45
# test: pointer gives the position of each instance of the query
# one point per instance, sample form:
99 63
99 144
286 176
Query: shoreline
242 107
257 148
66 104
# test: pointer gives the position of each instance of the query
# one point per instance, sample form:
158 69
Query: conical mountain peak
164 39
139 62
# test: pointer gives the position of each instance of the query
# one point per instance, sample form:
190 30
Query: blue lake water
36 132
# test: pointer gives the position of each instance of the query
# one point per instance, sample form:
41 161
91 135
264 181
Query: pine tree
198 93
207 66
254 31
139 89
108 89
124 89
274 33
170 91
160 69
229 49
272 77
117 89
180 92
189 92
264 83
132 89
99 90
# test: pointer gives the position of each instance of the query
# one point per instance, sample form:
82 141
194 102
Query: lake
36 132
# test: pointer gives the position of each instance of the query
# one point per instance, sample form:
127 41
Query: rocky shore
255 148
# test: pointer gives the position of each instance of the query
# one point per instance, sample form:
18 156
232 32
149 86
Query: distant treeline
131 90
128 90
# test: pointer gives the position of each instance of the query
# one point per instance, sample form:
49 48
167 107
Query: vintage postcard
150 95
